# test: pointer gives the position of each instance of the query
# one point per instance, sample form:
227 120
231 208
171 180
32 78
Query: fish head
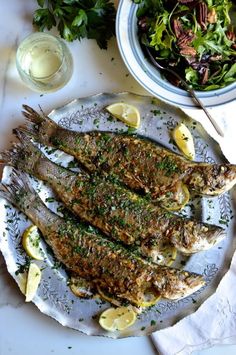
176 284
211 179
196 237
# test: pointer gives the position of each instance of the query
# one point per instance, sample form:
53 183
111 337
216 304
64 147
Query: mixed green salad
196 38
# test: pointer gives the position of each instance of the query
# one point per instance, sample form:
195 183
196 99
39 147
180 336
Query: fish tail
6 192
21 194
23 155
33 115
38 125
11 157
19 190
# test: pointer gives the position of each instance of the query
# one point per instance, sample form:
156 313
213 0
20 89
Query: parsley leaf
77 19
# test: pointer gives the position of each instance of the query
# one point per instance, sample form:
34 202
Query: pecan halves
201 14
142 24
186 1
184 42
215 58
177 27
232 37
185 38
188 51
212 16
205 75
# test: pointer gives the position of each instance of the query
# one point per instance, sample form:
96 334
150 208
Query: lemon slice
108 297
180 200
81 287
119 318
167 255
126 113
32 283
31 243
184 140
150 299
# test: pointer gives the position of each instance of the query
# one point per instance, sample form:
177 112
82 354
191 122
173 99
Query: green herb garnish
77 19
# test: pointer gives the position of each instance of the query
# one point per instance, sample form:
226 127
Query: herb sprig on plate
77 19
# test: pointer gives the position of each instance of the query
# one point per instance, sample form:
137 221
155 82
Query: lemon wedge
32 283
126 113
22 279
31 243
180 201
119 318
184 140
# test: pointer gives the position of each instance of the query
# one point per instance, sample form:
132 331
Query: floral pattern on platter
54 296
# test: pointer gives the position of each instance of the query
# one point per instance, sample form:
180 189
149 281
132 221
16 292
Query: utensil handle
188 89
213 122
198 101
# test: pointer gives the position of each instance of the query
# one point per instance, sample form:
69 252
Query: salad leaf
195 38
191 76
161 37
231 73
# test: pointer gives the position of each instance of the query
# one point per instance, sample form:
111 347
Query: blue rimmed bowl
150 77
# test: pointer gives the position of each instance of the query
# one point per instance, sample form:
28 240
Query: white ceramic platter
54 297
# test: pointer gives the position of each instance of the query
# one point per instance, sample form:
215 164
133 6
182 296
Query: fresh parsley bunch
77 19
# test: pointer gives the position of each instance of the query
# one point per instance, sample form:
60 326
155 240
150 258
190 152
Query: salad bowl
150 77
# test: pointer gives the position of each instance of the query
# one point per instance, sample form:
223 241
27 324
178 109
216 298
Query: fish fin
23 136
23 155
39 126
10 157
6 193
20 184
33 115
20 181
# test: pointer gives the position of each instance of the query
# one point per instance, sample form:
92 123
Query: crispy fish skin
140 164
88 255
115 210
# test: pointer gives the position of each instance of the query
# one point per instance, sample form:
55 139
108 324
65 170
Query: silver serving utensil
188 89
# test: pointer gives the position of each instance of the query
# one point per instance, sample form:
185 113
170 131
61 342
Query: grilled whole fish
115 210
138 163
89 255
